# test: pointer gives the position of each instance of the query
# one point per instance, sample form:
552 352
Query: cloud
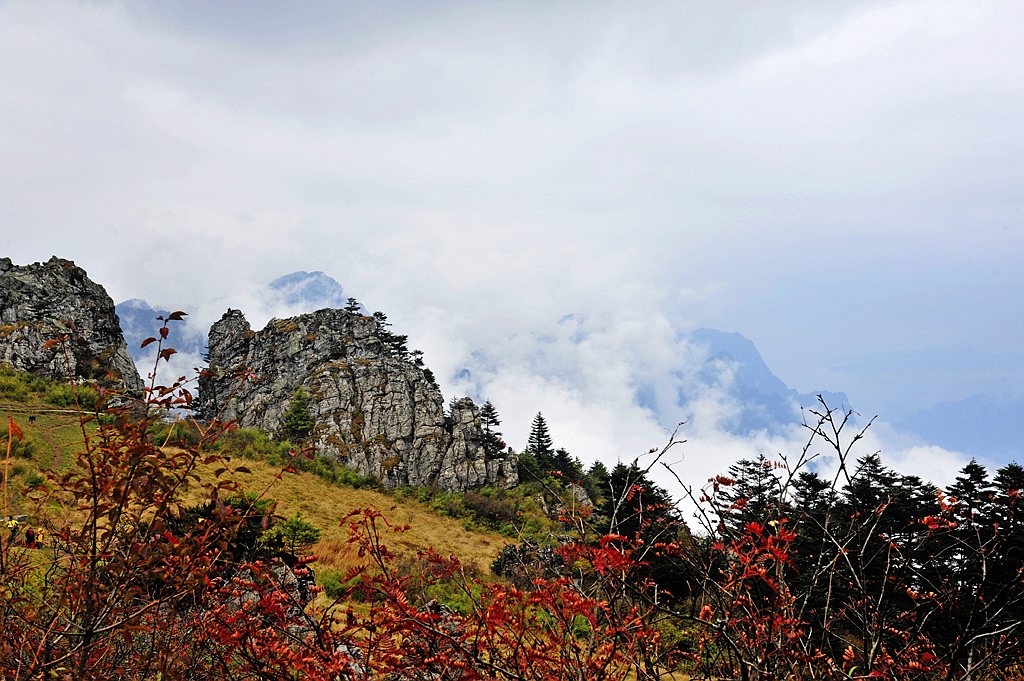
831 182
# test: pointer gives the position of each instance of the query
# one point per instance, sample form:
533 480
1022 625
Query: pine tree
493 444
644 513
596 482
1010 477
539 444
399 345
353 306
1008 515
295 535
755 496
568 465
489 418
296 423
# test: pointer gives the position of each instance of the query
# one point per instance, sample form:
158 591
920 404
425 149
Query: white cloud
829 182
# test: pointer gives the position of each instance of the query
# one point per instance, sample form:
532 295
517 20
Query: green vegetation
294 535
45 411
22 387
489 421
868 573
25 448
514 513
297 423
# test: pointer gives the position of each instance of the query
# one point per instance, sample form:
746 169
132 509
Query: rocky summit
370 403
53 300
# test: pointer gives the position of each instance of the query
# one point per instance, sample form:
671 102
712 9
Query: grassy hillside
324 504
46 412
321 495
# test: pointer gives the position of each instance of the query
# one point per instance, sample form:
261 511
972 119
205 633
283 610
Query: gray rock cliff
372 407
44 301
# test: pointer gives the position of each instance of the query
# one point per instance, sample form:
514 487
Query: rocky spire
372 407
44 301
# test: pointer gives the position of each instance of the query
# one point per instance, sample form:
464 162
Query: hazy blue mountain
139 321
901 383
728 370
765 401
980 425
288 295
308 290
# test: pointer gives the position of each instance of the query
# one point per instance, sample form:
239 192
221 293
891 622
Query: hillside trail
44 431
58 451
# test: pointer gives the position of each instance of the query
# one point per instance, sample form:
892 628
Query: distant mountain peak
764 401
309 289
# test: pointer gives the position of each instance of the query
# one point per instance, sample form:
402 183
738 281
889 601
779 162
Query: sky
840 182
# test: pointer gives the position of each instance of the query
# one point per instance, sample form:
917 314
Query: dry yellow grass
57 436
324 505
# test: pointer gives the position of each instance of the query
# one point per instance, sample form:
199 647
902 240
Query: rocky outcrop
372 406
46 301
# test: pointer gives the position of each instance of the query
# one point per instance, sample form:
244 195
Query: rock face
372 407
44 301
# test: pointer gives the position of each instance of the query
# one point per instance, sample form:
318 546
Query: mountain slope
735 366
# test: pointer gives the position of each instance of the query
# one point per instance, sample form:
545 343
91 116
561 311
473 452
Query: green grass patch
256 445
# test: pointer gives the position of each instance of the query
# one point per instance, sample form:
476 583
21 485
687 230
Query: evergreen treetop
297 422
539 443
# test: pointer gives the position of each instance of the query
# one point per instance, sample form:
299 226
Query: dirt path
58 451
43 430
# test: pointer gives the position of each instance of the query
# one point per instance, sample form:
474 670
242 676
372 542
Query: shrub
253 444
333 584
175 433
24 447
494 512
13 388
296 423
294 535
65 395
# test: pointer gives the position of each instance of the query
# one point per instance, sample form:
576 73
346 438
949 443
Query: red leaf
13 429
167 352
176 316
146 342
163 331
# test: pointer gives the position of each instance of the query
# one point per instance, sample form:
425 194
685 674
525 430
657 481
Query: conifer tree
489 420
637 508
568 465
539 444
296 423
353 306
755 496
596 482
